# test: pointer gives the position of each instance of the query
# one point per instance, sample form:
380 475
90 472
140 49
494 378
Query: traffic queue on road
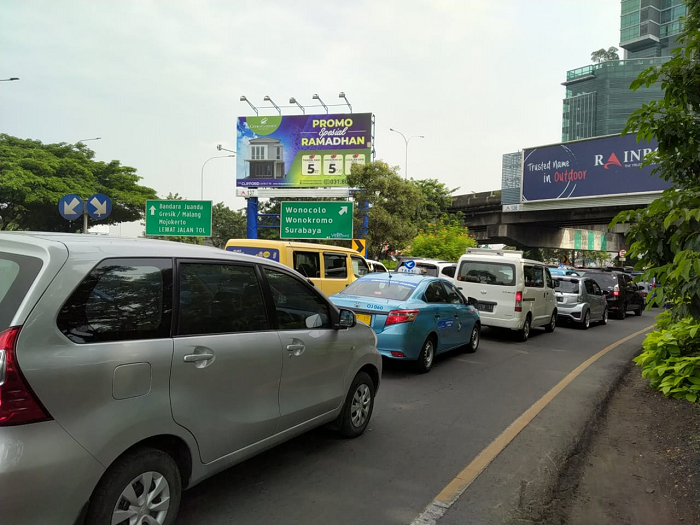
145 367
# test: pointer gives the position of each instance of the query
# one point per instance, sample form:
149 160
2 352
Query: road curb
540 467
569 474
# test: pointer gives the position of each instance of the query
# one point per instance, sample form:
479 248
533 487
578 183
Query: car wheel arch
373 374
173 446
436 340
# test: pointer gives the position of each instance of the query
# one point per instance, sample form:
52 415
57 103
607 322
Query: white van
511 292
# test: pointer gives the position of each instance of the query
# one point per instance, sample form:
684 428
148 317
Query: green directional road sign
316 220
181 218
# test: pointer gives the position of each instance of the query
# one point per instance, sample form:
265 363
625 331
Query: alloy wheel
428 354
144 501
474 341
361 402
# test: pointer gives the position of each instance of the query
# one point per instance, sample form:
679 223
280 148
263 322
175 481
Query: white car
376 266
431 267
512 292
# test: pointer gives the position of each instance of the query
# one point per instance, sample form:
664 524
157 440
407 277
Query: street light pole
85 140
201 192
8 79
406 140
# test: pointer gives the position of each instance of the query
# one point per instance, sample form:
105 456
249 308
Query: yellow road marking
466 477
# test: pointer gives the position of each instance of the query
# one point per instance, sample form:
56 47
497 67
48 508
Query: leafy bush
671 357
444 239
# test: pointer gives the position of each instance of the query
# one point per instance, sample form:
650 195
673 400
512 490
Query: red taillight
518 301
18 405
397 354
401 316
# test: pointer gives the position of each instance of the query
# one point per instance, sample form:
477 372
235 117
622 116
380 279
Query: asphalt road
425 430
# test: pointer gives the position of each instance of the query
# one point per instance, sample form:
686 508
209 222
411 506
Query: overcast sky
160 81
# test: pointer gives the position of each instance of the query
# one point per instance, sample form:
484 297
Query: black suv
621 291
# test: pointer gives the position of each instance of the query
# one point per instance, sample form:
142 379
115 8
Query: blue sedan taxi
415 317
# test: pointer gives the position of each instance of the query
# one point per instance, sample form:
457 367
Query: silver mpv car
580 300
131 369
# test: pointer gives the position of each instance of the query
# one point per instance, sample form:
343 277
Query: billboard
301 151
589 168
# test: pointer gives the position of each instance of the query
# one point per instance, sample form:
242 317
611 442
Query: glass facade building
598 99
649 28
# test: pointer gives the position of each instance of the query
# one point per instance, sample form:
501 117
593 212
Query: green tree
34 176
394 206
444 239
226 224
665 236
604 55
437 199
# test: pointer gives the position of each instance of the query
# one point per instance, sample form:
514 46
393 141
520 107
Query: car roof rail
491 251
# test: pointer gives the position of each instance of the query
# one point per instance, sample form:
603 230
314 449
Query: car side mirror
347 319
472 302
555 284
606 292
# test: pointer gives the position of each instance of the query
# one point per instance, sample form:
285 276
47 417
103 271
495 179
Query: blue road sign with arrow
99 206
70 207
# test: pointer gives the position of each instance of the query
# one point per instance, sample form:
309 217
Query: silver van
509 291
131 369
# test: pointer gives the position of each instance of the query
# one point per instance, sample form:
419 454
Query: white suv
431 267
511 292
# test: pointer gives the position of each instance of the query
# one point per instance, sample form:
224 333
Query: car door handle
296 349
194 358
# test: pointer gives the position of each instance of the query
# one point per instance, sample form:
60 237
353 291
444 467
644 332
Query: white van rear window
497 274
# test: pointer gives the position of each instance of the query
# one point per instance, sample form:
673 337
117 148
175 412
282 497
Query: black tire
604 320
586 322
426 358
524 334
124 472
552 323
358 408
638 311
474 339
622 312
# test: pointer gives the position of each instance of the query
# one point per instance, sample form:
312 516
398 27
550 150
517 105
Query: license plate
484 307
364 318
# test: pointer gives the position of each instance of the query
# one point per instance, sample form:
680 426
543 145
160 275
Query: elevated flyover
543 225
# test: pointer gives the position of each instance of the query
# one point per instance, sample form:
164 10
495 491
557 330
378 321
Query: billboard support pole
364 211
252 218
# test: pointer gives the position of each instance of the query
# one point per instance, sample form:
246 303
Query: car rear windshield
567 286
606 281
17 273
499 274
381 288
